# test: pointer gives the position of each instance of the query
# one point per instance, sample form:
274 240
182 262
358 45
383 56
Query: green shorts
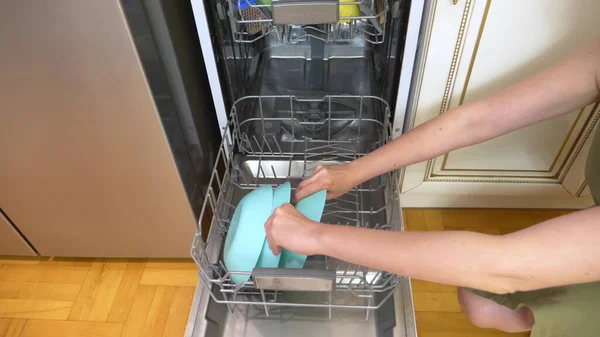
559 312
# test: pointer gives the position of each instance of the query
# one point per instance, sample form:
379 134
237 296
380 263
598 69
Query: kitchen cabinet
89 162
472 48
11 241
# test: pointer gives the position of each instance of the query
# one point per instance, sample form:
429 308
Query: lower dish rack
243 165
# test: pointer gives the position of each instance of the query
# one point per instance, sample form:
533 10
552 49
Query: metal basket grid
255 22
246 162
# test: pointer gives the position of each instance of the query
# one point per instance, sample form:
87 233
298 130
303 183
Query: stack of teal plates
246 246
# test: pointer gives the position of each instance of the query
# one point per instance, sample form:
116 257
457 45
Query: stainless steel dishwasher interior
342 70
292 69
302 96
362 302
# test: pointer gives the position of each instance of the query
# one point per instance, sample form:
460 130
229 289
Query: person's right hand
288 228
336 179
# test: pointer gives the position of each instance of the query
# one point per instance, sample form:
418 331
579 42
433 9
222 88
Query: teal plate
281 195
246 234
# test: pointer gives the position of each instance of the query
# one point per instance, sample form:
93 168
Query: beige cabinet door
11 242
474 48
86 169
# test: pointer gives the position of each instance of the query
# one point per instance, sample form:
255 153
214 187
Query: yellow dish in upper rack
348 10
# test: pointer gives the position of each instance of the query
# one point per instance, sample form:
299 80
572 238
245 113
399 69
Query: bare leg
486 313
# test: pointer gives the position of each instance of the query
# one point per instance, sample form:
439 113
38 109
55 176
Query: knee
485 313
481 318
480 314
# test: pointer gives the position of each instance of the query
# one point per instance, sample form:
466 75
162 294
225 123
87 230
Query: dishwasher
297 84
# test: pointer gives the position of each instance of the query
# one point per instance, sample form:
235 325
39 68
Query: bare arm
557 252
563 88
560 251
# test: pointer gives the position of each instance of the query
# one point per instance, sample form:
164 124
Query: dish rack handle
305 12
282 279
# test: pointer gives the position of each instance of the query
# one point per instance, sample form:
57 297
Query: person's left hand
287 228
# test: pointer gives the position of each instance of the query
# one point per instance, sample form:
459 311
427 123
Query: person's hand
287 228
336 179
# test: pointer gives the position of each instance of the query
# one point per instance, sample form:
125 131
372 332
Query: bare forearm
557 252
561 89
456 258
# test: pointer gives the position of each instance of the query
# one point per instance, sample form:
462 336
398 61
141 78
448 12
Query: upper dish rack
241 167
282 125
251 21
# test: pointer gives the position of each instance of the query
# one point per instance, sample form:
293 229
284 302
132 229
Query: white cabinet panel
476 48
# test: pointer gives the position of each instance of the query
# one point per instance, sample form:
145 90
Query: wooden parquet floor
79 297
54 297
437 310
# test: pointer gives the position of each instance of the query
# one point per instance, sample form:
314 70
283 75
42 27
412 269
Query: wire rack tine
262 294
293 120
329 118
273 170
266 142
278 147
330 302
360 110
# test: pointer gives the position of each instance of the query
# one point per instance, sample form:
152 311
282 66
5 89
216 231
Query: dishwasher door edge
209 61
407 69
197 323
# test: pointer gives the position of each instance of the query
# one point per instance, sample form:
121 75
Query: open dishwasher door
358 301
394 319
291 96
